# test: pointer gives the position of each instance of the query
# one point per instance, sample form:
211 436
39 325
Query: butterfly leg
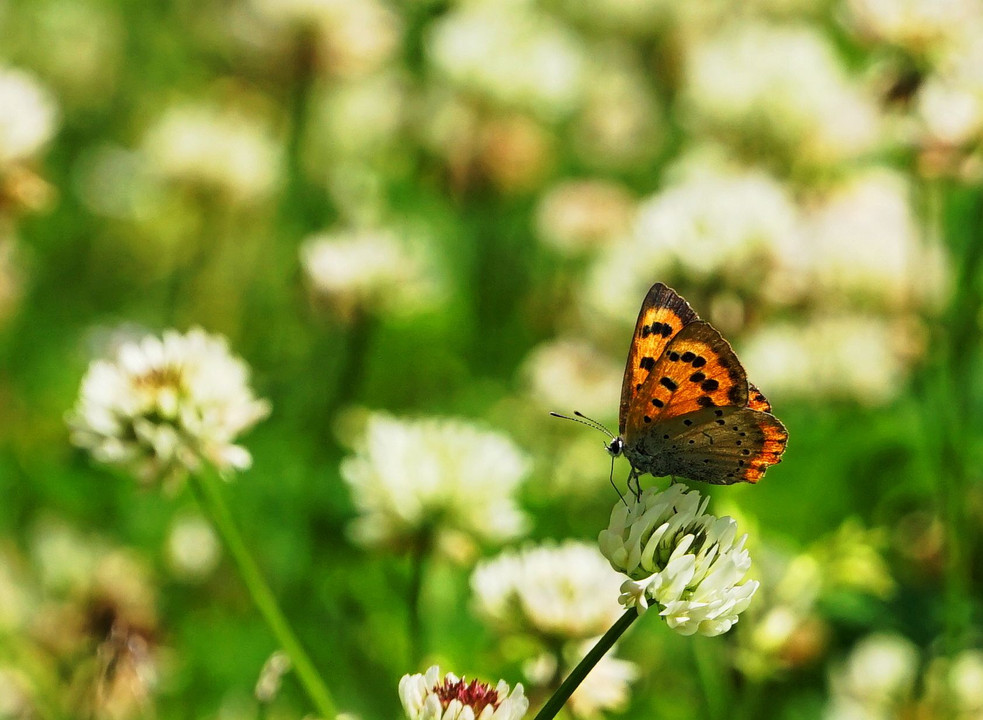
611 480
636 489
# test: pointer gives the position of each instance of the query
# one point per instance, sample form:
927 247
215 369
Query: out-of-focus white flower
954 686
579 215
620 123
162 403
679 558
713 223
606 688
355 38
710 223
966 683
373 270
875 679
28 116
364 116
916 25
950 102
565 591
819 359
443 476
432 696
863 242
784 83
519 57
193 549
225 151
563 369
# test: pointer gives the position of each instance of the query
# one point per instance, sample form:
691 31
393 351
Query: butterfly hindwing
664 313
720 446
698 369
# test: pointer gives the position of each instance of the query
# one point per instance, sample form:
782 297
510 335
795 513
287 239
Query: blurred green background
455 209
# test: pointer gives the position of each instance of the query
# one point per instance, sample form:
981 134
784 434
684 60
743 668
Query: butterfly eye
615 447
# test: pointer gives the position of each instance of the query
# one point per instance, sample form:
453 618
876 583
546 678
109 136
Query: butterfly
687 408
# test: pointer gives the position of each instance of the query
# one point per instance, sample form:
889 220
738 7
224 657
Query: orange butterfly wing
664 313
698 369
690 411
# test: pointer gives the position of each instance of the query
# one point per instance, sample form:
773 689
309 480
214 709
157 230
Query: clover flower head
688 563
876 680
28 115
163 403
431 696
358 270
563 591
434 475
231 153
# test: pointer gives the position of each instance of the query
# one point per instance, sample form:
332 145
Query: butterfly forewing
720 446
664 313
756 399
698 369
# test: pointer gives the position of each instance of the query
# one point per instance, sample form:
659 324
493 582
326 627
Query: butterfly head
615 447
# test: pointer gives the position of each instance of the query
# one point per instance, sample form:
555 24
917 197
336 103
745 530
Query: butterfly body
687 409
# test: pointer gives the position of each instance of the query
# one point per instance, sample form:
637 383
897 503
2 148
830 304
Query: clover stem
206 485
567 688
418 561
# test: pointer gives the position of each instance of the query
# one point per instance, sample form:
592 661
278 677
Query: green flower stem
566 689
418 561
206 485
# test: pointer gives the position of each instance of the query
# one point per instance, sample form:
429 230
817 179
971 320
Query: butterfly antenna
584 420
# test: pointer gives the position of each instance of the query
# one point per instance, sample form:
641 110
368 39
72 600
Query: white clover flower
916 25
680 559
356 38
432 696
864 241
361 118
28 116
875 680
824 356
163 403
714 222
226 151
193 549
619 125
442 475
607 686
580 215
566 368
785 83
564 591
710 223
518 57
368 269
966 683
950 102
